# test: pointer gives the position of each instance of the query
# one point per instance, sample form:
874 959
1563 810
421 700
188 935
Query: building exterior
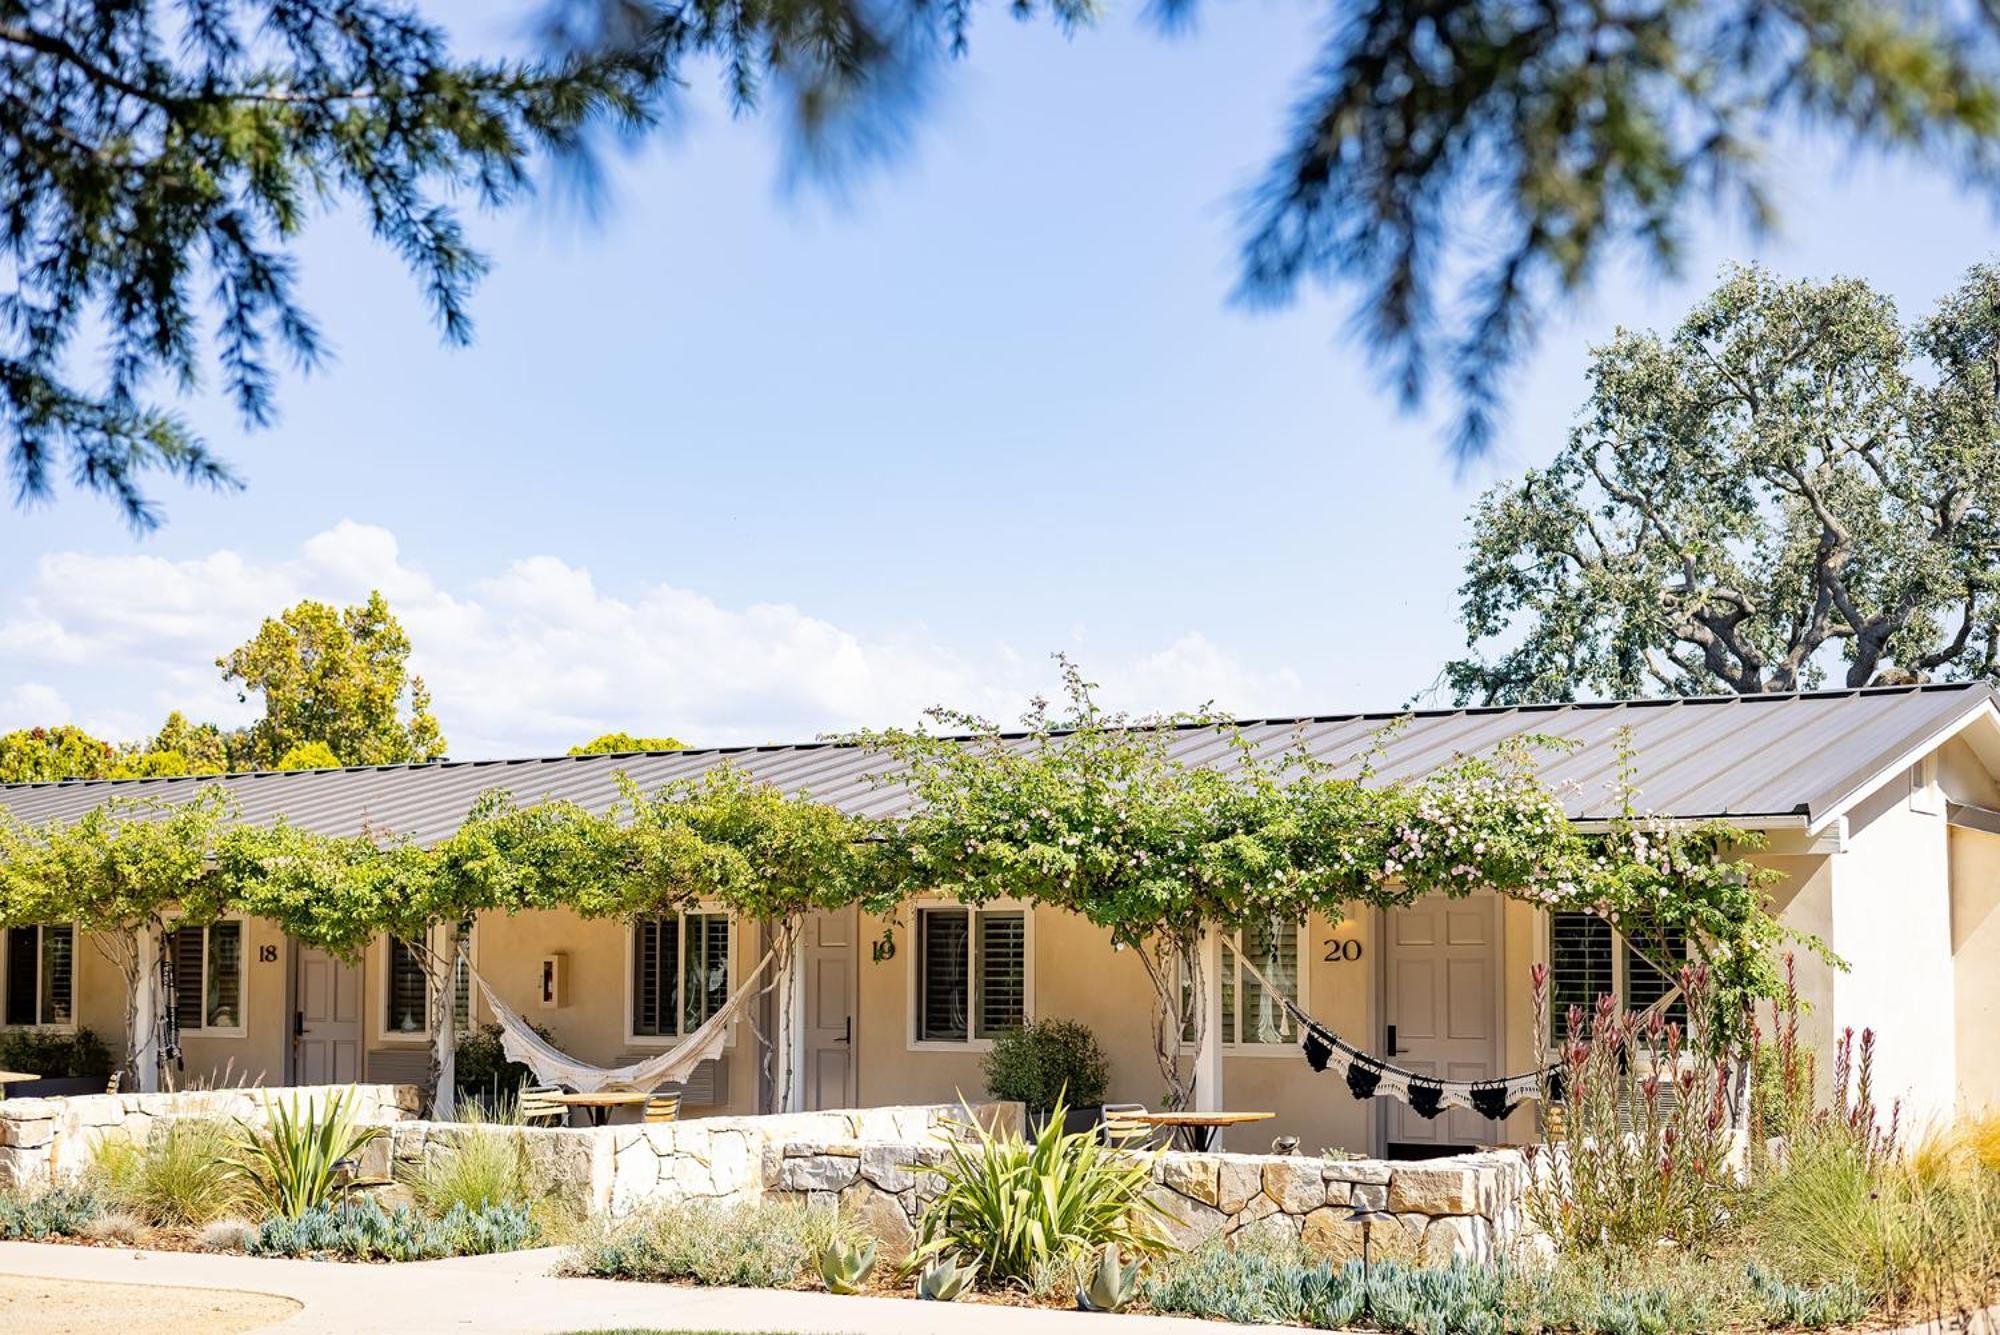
1880 807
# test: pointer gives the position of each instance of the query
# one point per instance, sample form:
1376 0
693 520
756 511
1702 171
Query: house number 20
1342 952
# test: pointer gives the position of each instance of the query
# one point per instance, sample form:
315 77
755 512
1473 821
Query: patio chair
538 1108
1117 1127
664 1108
111 1085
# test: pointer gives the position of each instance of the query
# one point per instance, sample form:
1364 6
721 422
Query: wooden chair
1117 1128
664 1108
111 1085
538 1108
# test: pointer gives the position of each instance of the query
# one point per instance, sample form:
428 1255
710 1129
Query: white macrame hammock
552 1066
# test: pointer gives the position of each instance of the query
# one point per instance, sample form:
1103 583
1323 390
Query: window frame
1232 1043
913 983
1621 956
663 1042
241 1029
41 1026
381 958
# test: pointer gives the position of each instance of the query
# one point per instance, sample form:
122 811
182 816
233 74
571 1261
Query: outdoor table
600 1104
1197 1129
14 1078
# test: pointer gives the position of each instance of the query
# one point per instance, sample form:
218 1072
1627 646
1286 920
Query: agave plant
1111 1287
844 1265
296 1161
945 1278
1009 1205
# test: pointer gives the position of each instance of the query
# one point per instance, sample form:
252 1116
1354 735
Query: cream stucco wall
1975 949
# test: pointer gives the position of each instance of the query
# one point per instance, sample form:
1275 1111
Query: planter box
1075 1121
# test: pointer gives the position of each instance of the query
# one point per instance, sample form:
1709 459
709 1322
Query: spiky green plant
945 1278
295 1161
1009 1204
1112 1286
180 1176
844 1266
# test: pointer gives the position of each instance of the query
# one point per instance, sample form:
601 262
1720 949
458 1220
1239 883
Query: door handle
847 1030
298 1024
1393 1049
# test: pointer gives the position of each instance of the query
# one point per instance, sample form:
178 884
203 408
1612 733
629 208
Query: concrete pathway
515 1292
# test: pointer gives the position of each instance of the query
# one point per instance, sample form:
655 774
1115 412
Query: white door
326 1028
1441 971
827 959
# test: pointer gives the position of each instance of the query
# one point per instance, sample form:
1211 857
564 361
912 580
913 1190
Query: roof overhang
1980 727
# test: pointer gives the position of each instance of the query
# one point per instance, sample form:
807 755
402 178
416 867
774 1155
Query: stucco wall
1892 925
1975 950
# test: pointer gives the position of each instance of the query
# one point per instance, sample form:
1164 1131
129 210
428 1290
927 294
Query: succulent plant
844 1266
1112 1286
944 1279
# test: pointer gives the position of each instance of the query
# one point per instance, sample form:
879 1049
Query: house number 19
1342 952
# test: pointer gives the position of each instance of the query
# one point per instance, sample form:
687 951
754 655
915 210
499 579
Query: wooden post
147 1000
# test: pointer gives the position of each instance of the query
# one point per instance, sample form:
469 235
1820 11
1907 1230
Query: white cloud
537 656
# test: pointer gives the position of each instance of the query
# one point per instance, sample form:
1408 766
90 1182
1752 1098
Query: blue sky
745 464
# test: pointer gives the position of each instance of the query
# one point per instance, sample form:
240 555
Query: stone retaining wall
43 1141
1465 1206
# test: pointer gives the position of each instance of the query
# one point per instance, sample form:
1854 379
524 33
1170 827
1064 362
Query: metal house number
1342 952
267 954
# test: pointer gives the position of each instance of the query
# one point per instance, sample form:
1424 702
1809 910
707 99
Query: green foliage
1281 1282
472 1169
180 1176
1112 1284
63 1212
180 747
293 1163
1810 1307
482 1068
1255 1282
1007 1204
944 1279
844 1265
624 743
363 1231
45 755
1045 1062
41 1052
1789 473
338 678
766 1244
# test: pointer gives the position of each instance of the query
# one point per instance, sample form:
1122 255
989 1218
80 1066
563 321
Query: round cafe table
1197 1129
600 1104
14 1078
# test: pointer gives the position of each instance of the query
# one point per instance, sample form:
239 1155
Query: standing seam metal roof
1712 756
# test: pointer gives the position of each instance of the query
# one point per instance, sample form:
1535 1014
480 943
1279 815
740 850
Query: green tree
45 755
1788 481
339 678
620 743
180 747
116 871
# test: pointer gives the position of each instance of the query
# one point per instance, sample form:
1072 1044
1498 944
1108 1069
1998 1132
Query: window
680 972
408 1009
461 977
39 971
1253 1016
208 976
1587 960
971 971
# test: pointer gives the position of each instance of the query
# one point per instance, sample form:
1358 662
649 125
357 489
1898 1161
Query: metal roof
1801 758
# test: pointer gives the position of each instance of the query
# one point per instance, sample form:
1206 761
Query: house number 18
267 954
1342 952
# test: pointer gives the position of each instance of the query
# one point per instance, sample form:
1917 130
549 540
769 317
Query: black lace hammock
1369 1077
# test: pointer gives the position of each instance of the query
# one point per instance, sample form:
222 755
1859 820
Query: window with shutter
1580 965
1645 985
38 976
1001 970
461 977
707 988
681 974
224 993
1251 1015
944 980
184 950
409 1009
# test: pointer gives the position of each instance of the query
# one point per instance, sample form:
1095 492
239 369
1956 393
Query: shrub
182 1175
1644 1291
61 1212
1044 1062
765 1244
72 1056
1253 1283
1009 1203
480 1066
1644 1154
118 1228
228 1235
363 1231
294 1162
474 1168
1281 1282
1812 1307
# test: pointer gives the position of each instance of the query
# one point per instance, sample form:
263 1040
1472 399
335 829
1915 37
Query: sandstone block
1295 1184
1237 1180
1186 1223
887 1166
1196 1176
882 1214
823 1172
1433 1190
